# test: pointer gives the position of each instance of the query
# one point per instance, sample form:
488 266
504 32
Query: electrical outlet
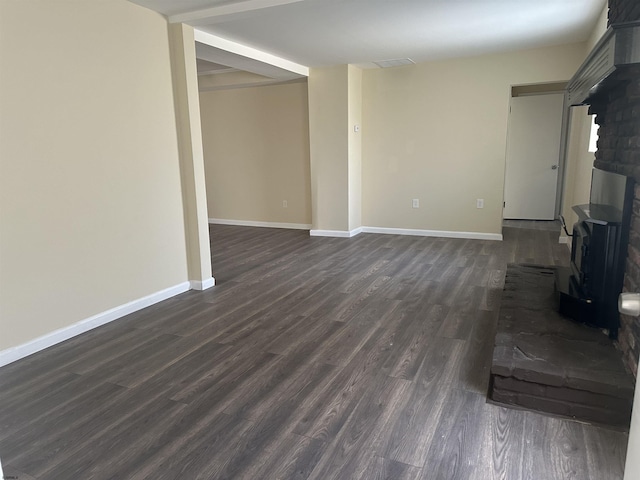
285 204
416 203
480 203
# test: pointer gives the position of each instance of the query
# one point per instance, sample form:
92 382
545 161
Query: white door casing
533 156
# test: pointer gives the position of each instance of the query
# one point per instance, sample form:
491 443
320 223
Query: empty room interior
311 239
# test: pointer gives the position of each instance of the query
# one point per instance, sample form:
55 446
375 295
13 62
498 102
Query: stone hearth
546 362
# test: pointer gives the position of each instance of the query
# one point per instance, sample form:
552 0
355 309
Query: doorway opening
534 151
535 204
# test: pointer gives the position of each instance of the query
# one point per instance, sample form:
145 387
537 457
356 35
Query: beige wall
329 147
579 161
189 129
437 131
632 464
355 147
91 209
235 79
256 148
598 29
578 166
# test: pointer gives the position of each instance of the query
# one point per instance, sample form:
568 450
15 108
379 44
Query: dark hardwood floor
313 358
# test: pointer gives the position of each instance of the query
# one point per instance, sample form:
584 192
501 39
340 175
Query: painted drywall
91 213
579 161
579 164
329 147
355 146
632 465
598 29
538 88
256 153
194 195
238 79
437 131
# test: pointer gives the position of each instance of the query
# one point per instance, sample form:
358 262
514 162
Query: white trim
359 230
12 354
251 223
249 52
202 284
335 233
433 233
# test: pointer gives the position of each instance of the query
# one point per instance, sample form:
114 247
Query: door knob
554 167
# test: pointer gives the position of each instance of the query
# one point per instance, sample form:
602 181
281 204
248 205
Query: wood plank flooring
313 358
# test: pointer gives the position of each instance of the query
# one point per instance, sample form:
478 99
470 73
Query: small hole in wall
593 136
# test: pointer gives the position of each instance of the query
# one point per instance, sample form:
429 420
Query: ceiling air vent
396 62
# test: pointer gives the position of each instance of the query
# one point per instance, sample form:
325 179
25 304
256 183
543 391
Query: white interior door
533 155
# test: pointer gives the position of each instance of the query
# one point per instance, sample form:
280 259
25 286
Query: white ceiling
330 32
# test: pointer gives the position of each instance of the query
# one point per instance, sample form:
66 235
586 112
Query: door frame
567 114
545 89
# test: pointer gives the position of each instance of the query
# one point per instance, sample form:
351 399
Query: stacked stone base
545 362
576 403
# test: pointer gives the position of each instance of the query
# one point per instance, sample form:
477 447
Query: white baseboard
335 233
202 284
357 231
12 354
433 233
251 223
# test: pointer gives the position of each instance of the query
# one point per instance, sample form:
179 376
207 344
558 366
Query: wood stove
589 288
